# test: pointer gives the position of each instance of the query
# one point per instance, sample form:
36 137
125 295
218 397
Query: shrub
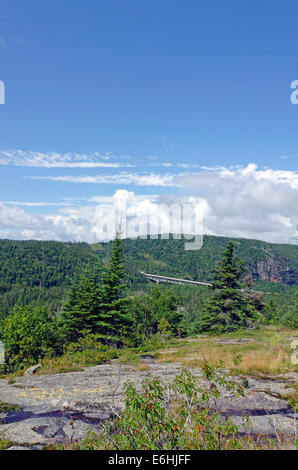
28 334
87 351
153 312
173 417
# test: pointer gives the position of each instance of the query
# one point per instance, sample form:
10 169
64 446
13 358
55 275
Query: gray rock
18 448
49 430
232 341
258 403
63 407
32 370
38 447
268 425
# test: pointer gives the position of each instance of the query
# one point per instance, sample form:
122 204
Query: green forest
56 295
41 272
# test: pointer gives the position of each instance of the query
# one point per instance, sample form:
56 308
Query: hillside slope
273 263
41 272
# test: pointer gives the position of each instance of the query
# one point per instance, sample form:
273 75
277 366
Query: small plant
175 416
28 334
88 351
164 328
7 407
5 443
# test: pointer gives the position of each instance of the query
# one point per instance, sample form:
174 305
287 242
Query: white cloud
247 202
58 160
35 204
97 222
151 179
241 202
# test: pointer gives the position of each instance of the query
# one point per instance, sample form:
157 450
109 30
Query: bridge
174 280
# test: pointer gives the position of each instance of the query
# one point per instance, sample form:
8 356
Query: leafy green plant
87 351
154 312
5 443
174 416
28 335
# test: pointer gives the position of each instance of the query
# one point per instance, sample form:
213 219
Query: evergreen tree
82 308
114 305
228 308
96 302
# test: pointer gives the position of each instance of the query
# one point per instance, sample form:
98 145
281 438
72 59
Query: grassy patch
5 444
292 397
268 352
6 407
128 356
86 353
77 363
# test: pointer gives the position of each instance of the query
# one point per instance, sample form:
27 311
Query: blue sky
165 99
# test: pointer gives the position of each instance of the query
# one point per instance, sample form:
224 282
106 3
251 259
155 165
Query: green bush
153 312
28 334
89 351
173 417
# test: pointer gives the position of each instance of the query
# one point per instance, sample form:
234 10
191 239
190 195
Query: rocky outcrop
63 407
276 271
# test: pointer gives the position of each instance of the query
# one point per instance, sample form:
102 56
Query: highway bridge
174 280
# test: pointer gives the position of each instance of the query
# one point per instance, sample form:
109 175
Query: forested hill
273 263
42 271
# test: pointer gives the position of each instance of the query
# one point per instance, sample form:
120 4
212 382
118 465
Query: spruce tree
114 304
229 308
81 311
96 302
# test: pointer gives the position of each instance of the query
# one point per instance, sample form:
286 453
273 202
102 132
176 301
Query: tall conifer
114 304
229 308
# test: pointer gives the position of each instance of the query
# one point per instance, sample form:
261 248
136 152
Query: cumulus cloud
247 202
242 202
137 214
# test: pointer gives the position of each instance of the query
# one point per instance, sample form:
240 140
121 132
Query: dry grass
268 352
141 366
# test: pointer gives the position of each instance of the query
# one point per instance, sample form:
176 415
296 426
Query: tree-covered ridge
41 263
52 263
275 263
41 272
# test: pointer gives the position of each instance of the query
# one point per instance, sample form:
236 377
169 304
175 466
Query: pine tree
96 303
228 308
114 304
81 311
